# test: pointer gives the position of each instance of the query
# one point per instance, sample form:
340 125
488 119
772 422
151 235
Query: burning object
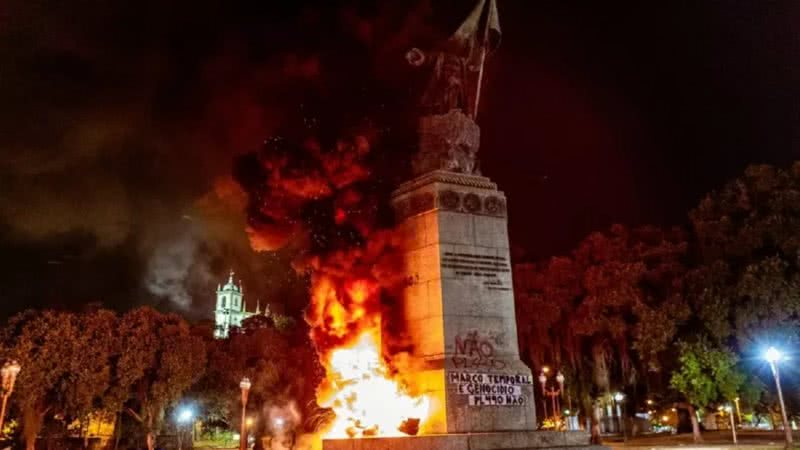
363 395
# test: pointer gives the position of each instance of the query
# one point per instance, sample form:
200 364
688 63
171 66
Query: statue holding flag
449 136
457 65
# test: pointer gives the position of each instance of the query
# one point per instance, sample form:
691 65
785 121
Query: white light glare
185 415
619 396
773 355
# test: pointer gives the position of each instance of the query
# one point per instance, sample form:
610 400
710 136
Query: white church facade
231 308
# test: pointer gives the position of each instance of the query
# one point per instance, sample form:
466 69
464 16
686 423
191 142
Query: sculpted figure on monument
446 89
449 136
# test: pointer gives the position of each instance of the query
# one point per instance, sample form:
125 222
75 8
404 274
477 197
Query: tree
159 359
65 360
280 363
705 374
606 312
746 286
89 371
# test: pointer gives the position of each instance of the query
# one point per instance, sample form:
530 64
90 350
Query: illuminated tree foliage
75 364
159 360
65 356
705 374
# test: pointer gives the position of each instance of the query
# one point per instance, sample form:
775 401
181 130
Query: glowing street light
773 357
729 410
8 376
184 417
738 410
543 382
244 385
553 393
618 398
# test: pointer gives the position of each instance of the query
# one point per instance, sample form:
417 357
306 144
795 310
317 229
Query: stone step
511 440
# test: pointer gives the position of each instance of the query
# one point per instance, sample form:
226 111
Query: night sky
120 123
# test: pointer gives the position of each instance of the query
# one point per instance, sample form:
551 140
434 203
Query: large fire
322 204
365 399
359 387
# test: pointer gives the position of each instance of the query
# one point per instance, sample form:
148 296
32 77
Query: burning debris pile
321 204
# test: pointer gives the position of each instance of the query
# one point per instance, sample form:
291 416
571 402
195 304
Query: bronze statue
457 64
447 88
449 136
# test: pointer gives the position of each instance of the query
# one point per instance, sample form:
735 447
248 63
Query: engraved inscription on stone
484 268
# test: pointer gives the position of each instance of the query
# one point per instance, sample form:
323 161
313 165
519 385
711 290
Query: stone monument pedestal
458 307
458 312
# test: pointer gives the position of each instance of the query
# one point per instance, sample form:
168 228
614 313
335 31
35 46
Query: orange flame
366 401
358 386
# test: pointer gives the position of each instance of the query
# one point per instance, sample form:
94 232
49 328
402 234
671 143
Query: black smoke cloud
119 125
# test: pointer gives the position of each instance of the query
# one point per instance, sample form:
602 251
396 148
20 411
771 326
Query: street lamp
773 357
729 410
185 418
543 382
8 375
618 398
553 393
244 385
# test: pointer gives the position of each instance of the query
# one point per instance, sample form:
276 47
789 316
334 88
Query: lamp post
560 380
553 393
773 357
8 374
729 410
618 399
185 417
543 382
245 387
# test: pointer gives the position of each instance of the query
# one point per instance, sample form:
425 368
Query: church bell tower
230 310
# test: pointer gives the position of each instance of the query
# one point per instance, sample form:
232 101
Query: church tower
230 310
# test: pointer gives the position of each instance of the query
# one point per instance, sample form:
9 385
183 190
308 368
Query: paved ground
711 439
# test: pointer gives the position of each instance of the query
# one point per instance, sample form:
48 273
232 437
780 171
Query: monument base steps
508 440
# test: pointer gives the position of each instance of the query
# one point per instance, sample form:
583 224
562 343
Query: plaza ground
717 440
750 440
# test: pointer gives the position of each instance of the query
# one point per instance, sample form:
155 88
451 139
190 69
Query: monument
458 306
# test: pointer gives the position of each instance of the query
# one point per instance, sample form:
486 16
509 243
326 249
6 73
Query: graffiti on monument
486 389
474 350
